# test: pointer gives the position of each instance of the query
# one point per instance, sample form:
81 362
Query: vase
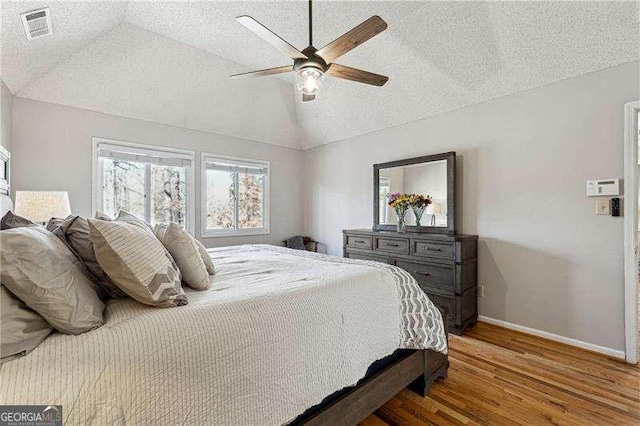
401 212
418 211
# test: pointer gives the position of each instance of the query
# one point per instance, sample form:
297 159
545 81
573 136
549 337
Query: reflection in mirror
423 178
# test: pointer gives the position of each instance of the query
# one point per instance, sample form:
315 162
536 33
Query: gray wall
6 111
53 146
546 260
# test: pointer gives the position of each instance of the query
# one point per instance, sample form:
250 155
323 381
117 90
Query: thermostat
603 188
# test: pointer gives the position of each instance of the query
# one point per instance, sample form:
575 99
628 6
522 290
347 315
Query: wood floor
498 376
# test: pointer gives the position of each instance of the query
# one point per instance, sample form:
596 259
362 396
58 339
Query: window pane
122 187
250 196
168 194
220 199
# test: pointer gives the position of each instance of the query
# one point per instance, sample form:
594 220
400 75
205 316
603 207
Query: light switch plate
603 206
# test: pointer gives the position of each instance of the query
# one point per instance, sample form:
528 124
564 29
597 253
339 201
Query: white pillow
208 262
184 250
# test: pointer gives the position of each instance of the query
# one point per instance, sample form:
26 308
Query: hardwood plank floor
499 376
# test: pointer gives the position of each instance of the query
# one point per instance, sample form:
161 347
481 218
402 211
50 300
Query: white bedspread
279 331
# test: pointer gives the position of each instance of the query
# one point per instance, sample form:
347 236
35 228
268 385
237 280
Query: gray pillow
55 223
11 220
21 329
74 231
39 268
137 262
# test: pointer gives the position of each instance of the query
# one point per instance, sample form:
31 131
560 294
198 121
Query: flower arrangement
398 200
400 203
418 204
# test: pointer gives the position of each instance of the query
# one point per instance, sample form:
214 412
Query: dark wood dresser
445 266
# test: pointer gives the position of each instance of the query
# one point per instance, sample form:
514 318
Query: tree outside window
147 183
235 196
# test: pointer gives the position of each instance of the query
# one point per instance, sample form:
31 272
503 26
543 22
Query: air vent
37 23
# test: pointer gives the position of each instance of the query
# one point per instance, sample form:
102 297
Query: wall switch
603 206
481 291
615 207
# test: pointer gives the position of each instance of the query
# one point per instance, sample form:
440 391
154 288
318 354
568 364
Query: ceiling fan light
309 80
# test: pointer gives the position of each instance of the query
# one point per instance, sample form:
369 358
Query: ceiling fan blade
270 37
262 73
354 74
351 39
307 98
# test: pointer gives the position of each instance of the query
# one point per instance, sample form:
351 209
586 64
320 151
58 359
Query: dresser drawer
359 241
430 276
448 303
435 250
392 245
364 256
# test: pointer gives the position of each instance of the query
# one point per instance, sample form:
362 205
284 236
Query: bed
282 336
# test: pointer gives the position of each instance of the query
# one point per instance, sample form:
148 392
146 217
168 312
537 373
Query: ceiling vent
37 23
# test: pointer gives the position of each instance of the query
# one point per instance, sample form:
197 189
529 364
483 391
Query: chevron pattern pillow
137 263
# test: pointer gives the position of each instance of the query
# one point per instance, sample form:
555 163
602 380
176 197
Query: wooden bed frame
416 369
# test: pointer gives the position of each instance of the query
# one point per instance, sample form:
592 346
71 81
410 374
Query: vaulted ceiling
169 62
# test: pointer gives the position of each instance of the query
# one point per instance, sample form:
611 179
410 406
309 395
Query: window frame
96 184
210 233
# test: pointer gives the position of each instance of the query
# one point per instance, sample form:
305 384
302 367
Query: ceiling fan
312 64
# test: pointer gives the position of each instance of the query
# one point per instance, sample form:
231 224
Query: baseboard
614 353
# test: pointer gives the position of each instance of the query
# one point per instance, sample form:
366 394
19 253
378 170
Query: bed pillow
184 250
11 220
37 267
127 217
208 262
137 263
21 329
103 216
75 232
54 223
124 216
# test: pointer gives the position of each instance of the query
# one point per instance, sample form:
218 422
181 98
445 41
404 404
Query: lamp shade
434 208
40 206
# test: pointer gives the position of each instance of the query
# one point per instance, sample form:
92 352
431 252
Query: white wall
546 260
53 145
6 111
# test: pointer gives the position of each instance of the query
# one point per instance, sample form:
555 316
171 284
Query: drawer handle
392 245
434 249
426 274
359 241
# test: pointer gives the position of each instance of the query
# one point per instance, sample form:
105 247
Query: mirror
431 176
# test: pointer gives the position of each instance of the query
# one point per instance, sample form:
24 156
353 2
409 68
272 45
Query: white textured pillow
184 250
137 263
208 262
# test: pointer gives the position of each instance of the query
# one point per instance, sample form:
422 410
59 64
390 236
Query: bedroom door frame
631 111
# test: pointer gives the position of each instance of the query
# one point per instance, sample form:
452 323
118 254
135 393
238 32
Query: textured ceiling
169 61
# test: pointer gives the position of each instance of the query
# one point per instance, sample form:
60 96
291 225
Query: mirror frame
450 157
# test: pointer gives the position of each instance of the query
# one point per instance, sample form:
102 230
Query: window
385 190
235 196
150 182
